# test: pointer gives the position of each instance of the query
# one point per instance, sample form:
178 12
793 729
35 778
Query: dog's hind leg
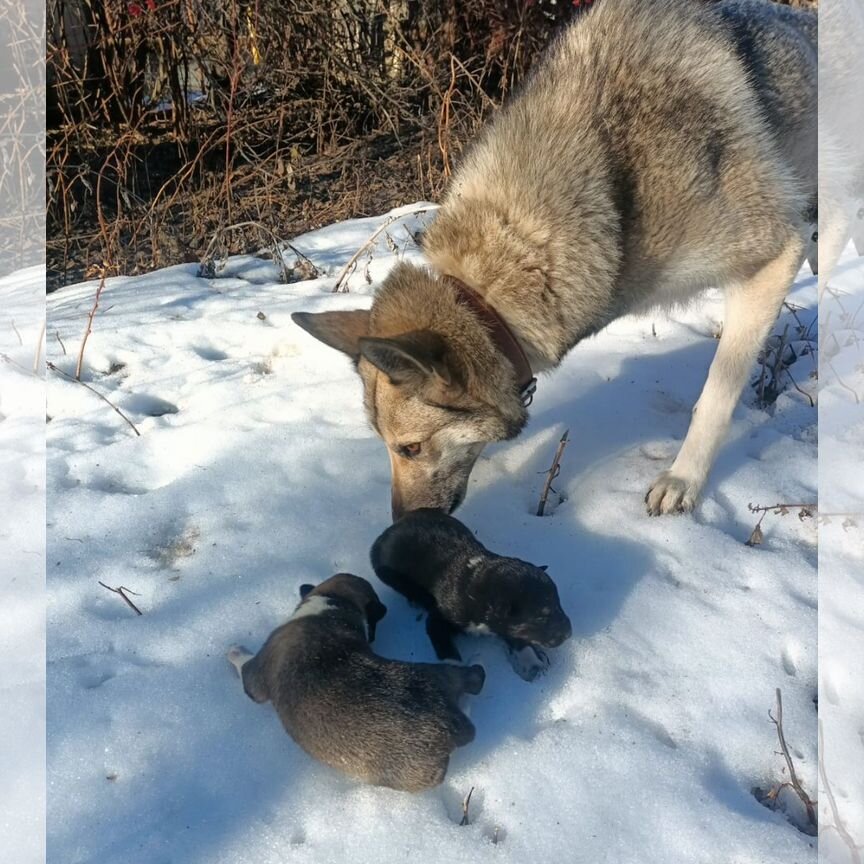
751 309
250 675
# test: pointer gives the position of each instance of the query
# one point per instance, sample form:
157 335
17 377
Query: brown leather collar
501 335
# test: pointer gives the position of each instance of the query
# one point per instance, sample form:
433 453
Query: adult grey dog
659 148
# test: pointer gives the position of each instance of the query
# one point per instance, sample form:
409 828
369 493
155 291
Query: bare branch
105 399
465 803
552 473
339 286
89 329
121 590
793 777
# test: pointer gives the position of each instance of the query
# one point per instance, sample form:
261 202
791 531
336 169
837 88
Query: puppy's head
356 593
416 393
523 603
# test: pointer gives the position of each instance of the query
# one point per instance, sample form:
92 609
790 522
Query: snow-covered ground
255 471
841 563
22 568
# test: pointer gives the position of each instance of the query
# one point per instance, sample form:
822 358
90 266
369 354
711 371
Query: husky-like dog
660 147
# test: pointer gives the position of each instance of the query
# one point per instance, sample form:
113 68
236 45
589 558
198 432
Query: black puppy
383 721
436 562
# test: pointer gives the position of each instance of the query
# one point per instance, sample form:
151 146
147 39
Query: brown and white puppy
660 147
436 562
382 721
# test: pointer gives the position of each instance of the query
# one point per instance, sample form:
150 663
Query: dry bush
171 119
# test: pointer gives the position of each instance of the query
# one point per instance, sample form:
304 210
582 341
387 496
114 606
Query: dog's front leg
441 634
751 309
528 661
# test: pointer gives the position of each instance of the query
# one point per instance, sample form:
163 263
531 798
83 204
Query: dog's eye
409 451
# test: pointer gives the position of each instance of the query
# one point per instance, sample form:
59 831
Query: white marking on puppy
473 562
315 605
238 656
478 630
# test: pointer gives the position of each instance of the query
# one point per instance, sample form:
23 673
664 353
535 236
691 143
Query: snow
255 471
841 562
22 569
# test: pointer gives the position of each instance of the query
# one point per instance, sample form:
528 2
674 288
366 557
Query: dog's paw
670 493
529 661
237 656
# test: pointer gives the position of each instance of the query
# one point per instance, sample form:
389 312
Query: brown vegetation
169 120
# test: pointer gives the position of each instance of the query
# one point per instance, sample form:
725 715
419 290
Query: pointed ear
375 611
339 330
304 590
544 567
418 353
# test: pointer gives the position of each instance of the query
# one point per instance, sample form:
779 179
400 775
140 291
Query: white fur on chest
315 605
478 630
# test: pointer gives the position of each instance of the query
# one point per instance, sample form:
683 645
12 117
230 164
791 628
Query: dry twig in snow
104 398
552 473
805 511
466 801
793 782
340 287
121 590
89 325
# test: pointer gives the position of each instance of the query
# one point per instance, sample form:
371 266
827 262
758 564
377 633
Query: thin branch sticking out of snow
553 472
89 329
794 782
805 511
465 804
104 398
121 590
340 287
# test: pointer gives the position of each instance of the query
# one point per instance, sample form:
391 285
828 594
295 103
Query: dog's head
419 400
353 590
521 603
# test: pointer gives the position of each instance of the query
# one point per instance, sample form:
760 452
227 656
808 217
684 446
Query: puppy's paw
237 656
529 661
671 493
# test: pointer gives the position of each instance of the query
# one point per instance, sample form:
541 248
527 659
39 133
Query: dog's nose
563 631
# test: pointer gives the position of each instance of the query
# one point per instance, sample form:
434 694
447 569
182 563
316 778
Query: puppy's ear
375 611
418 354
304 590
339 330
544 567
